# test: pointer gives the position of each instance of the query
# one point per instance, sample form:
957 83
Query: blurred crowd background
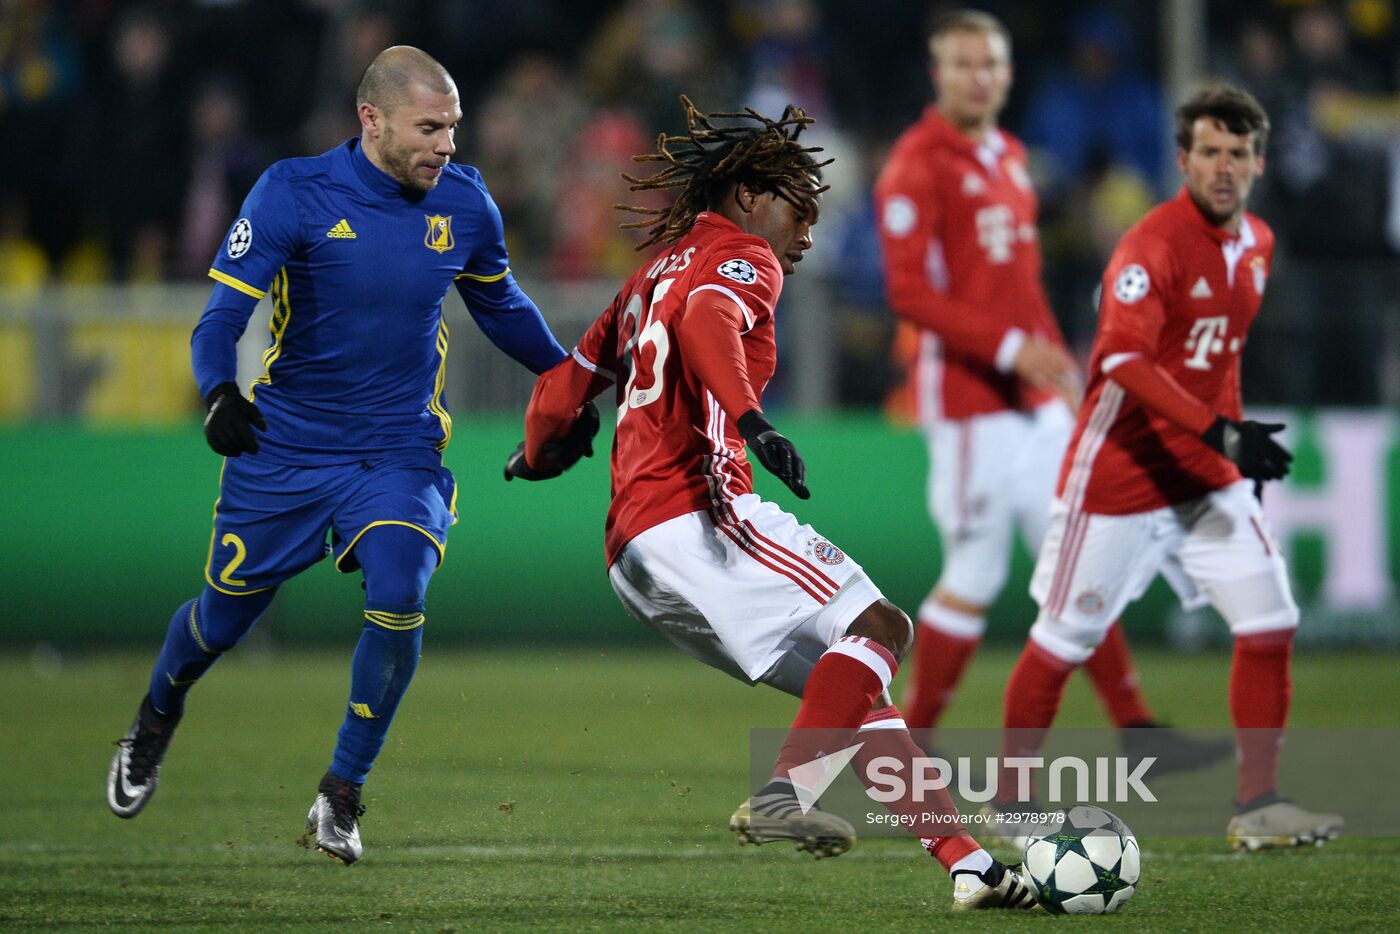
130 132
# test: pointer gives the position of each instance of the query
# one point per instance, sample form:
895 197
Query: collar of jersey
374 178
717 220
950 135
1219 234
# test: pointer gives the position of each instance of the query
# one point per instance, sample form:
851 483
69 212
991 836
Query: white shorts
1092 566
743 595
992 474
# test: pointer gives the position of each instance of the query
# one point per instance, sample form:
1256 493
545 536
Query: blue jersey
357 268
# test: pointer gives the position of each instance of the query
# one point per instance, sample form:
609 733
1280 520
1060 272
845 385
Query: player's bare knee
884 623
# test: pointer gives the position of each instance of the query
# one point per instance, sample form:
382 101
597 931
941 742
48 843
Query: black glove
517 467
558 456
229 425
1249 445
579 441
777 454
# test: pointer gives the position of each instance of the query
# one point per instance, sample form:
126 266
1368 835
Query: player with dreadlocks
692 551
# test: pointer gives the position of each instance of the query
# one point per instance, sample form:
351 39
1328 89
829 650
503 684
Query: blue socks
397 562
200 631
384 664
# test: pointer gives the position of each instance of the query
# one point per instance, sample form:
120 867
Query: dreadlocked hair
758 152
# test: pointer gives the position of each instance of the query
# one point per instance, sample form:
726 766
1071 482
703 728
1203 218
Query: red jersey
676 449
962 261
1180 292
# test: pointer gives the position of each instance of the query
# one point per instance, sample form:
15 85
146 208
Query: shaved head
409 110
388 78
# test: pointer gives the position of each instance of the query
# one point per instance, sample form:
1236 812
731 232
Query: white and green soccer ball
1086 865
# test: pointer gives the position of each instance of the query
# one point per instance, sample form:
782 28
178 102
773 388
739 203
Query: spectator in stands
648 53
587 241
514 143
40 73
224 161
137 119
1101 104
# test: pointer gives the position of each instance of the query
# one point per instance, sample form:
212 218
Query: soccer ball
1087 865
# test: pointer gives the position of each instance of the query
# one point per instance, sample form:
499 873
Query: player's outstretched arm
511 321
776 453
555 457
229 425
560 422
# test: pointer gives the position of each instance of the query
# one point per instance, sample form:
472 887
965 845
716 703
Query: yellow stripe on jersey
435 403
475 278
233 283
281 315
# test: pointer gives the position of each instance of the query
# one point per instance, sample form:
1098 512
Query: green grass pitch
571 789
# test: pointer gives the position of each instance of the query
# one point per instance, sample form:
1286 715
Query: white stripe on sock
857 648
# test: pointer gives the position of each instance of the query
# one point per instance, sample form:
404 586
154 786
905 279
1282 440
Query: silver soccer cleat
334 821
1280 823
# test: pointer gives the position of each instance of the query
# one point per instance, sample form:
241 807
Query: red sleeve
708 336
1154 388
911 225
1132 306
561 391
736 288
1137 285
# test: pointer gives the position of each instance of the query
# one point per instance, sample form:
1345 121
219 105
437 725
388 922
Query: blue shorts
271 520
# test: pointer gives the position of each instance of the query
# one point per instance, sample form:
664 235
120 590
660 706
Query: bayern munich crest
740 270
825 552
1088 603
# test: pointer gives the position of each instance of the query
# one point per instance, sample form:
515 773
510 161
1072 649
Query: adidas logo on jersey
341 231
1201 289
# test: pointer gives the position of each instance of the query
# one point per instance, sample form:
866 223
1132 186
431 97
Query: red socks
940 658
1034 689
1260 691
884 734
1032 699
1110 669
838 696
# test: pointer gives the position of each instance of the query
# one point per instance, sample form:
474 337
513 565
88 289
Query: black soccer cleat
775 814
1174 750
135 769
334 820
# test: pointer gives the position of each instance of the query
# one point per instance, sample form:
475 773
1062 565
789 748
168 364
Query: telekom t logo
996 232
1208 337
